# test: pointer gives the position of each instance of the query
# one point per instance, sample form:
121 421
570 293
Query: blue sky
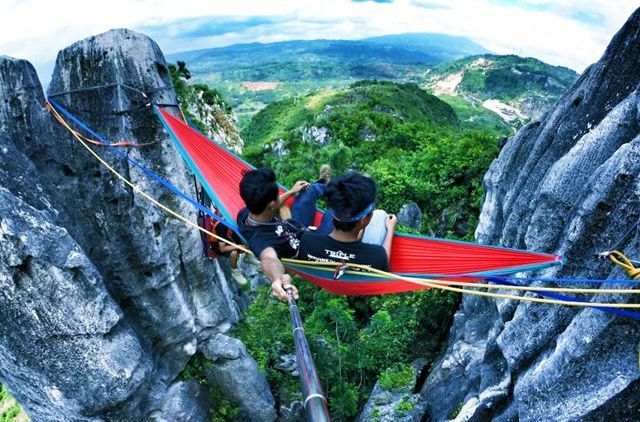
571 33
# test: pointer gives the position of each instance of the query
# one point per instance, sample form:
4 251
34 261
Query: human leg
304 206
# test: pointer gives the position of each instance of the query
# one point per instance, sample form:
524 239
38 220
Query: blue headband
357 217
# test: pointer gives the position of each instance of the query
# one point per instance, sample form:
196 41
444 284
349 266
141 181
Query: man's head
258 188
351 198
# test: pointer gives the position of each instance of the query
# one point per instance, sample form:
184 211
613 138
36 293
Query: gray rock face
103 298
410 216
184 401
236 373
57 316
568 184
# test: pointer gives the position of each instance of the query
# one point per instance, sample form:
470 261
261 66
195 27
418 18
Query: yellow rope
620 259
137 189
437 284
474 284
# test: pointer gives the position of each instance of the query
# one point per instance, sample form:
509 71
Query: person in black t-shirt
269 237
351 197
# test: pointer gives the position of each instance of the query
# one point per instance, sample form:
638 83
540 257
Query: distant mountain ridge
437 44
485 89
400 48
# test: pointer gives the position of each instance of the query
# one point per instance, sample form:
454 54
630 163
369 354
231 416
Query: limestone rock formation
236 373
410 216
568 184
103 298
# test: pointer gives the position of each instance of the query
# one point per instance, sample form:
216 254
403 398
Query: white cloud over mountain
563 32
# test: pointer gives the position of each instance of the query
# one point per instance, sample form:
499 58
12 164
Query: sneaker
238 277
325 174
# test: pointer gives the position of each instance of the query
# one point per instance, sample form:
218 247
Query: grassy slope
407 101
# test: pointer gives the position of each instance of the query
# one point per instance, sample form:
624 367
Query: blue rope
232 225
558 296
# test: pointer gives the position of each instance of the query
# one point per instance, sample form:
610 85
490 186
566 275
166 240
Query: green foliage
196 368
474 116
9 408
456 410
473 81
351 339
10 415
189 93
404 406
265 330
399 378
224 410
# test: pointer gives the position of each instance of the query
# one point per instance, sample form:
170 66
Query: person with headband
361 234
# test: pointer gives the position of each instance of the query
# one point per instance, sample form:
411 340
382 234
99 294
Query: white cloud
572 33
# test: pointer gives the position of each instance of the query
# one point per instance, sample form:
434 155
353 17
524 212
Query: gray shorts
376 231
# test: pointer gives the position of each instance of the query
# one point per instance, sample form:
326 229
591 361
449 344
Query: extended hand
392 222
280 286
299 186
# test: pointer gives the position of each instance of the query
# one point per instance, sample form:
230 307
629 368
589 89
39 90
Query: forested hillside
411 142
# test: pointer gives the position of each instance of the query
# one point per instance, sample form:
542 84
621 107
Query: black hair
258 188
348 195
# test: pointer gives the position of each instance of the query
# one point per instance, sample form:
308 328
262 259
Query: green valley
484 89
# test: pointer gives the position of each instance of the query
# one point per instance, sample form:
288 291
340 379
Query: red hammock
220 172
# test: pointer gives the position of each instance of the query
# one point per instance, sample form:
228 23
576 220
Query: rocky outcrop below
103 298
395 403
568 184
410 216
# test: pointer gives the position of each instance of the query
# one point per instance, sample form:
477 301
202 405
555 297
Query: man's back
323 248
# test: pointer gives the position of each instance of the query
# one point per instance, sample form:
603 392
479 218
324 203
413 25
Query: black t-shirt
282 236
323 248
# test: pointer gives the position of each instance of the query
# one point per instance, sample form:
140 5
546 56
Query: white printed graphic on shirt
339 255
294 242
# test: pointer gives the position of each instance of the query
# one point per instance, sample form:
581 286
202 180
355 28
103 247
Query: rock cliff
568 183
103 298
